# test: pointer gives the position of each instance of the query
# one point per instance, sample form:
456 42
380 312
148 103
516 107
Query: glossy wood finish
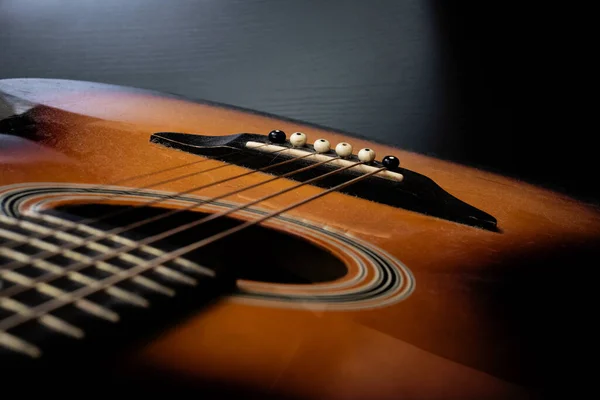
462 333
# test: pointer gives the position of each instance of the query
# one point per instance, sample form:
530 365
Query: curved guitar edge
510 306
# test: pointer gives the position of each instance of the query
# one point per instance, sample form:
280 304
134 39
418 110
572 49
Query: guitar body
463 312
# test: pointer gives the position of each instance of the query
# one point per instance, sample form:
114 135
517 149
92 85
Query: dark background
485 83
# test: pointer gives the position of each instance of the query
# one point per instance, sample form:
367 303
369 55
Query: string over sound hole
239 256
242 255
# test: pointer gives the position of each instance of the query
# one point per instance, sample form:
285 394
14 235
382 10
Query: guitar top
204 248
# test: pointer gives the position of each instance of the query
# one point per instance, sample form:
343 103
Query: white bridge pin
366 155
322 145
298 139
343 149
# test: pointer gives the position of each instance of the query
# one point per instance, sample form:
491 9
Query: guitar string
46 254
118 251
49 277
117 182
148 174
84 222
116 213
81 265
79 224
47 307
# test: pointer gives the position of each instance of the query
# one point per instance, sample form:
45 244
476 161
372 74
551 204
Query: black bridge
415 192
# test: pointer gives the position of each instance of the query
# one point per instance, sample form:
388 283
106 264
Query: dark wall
521 90
477 82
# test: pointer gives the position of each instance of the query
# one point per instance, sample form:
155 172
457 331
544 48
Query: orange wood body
450 338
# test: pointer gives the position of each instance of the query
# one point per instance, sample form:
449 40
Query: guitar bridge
396 187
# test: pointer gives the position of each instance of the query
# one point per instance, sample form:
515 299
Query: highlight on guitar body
197 246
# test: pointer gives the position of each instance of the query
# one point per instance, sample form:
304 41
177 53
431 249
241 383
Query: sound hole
256 253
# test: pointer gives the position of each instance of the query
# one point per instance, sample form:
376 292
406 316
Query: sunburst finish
453 324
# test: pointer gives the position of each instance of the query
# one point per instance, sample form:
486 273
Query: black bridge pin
390 162
277 136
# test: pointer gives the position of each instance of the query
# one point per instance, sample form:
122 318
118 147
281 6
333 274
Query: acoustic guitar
153 243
